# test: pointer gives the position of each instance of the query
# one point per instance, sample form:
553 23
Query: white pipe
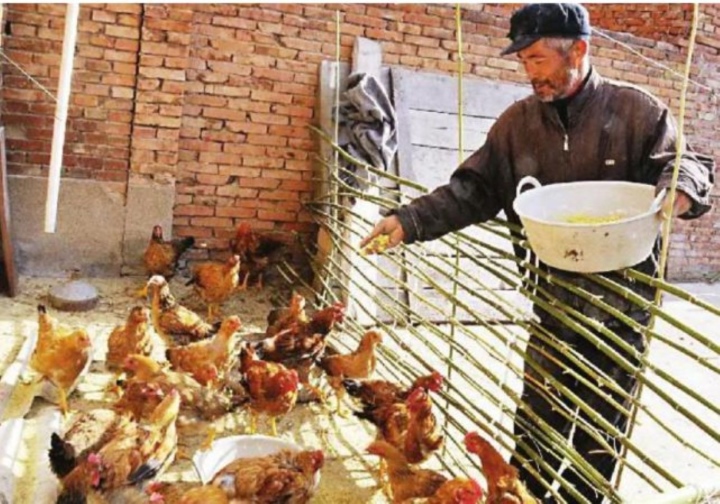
61 109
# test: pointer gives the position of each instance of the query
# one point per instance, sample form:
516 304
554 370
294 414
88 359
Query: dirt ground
25 477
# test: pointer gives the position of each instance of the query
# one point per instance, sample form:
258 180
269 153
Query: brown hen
287 477
423 436
132 338
458 491
272 388
147 375
174 323
61 355
161 257
406 482
208 360
358 364
256 251
216 282
504 487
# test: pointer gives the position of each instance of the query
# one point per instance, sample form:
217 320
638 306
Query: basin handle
529 179
656 205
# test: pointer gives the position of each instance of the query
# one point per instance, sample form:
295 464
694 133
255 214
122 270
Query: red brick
236 212
194 210
277 216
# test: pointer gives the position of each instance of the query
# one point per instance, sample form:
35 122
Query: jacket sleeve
697 171
471 196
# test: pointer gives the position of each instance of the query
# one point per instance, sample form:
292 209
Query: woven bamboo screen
469 319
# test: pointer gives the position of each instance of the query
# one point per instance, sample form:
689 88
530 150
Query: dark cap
535 21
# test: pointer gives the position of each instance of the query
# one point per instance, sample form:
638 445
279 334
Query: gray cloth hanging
367 128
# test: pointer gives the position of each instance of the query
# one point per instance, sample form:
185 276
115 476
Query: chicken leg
273 426
252 424
63 401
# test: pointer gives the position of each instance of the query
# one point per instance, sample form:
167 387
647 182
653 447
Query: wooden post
9 277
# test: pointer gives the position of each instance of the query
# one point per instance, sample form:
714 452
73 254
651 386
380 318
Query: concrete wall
98 229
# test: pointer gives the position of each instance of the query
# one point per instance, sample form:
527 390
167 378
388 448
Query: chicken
504 487
255 251
132 338
174 323
359 364
391 421
88 432
288 477
185 493
135 453
216 282
148 376
380 392
423 436
273 389
61 355
282 318
161 257
406 481
208 360
301 343
458 491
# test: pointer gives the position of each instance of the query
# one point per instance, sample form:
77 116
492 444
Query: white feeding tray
225 450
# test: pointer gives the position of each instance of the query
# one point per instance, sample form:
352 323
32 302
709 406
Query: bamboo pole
667 224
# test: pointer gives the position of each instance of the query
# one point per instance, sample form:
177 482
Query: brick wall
219 96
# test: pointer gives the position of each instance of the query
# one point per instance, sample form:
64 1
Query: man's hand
682 204
389 226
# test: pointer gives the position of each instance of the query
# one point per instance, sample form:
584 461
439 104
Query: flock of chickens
115 454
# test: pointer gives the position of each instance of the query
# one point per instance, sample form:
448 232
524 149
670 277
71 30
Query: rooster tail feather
184 244
62 456
366 414
352 387
71 496
146 471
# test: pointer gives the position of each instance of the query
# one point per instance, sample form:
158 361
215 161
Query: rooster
174 323
301 343
208 360
504 487
359 364
215 282
134 453
255 251
374 393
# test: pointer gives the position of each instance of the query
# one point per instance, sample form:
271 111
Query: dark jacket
616 131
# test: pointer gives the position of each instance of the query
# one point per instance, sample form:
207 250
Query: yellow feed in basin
581 218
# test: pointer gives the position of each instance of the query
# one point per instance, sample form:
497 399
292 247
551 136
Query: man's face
553 75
